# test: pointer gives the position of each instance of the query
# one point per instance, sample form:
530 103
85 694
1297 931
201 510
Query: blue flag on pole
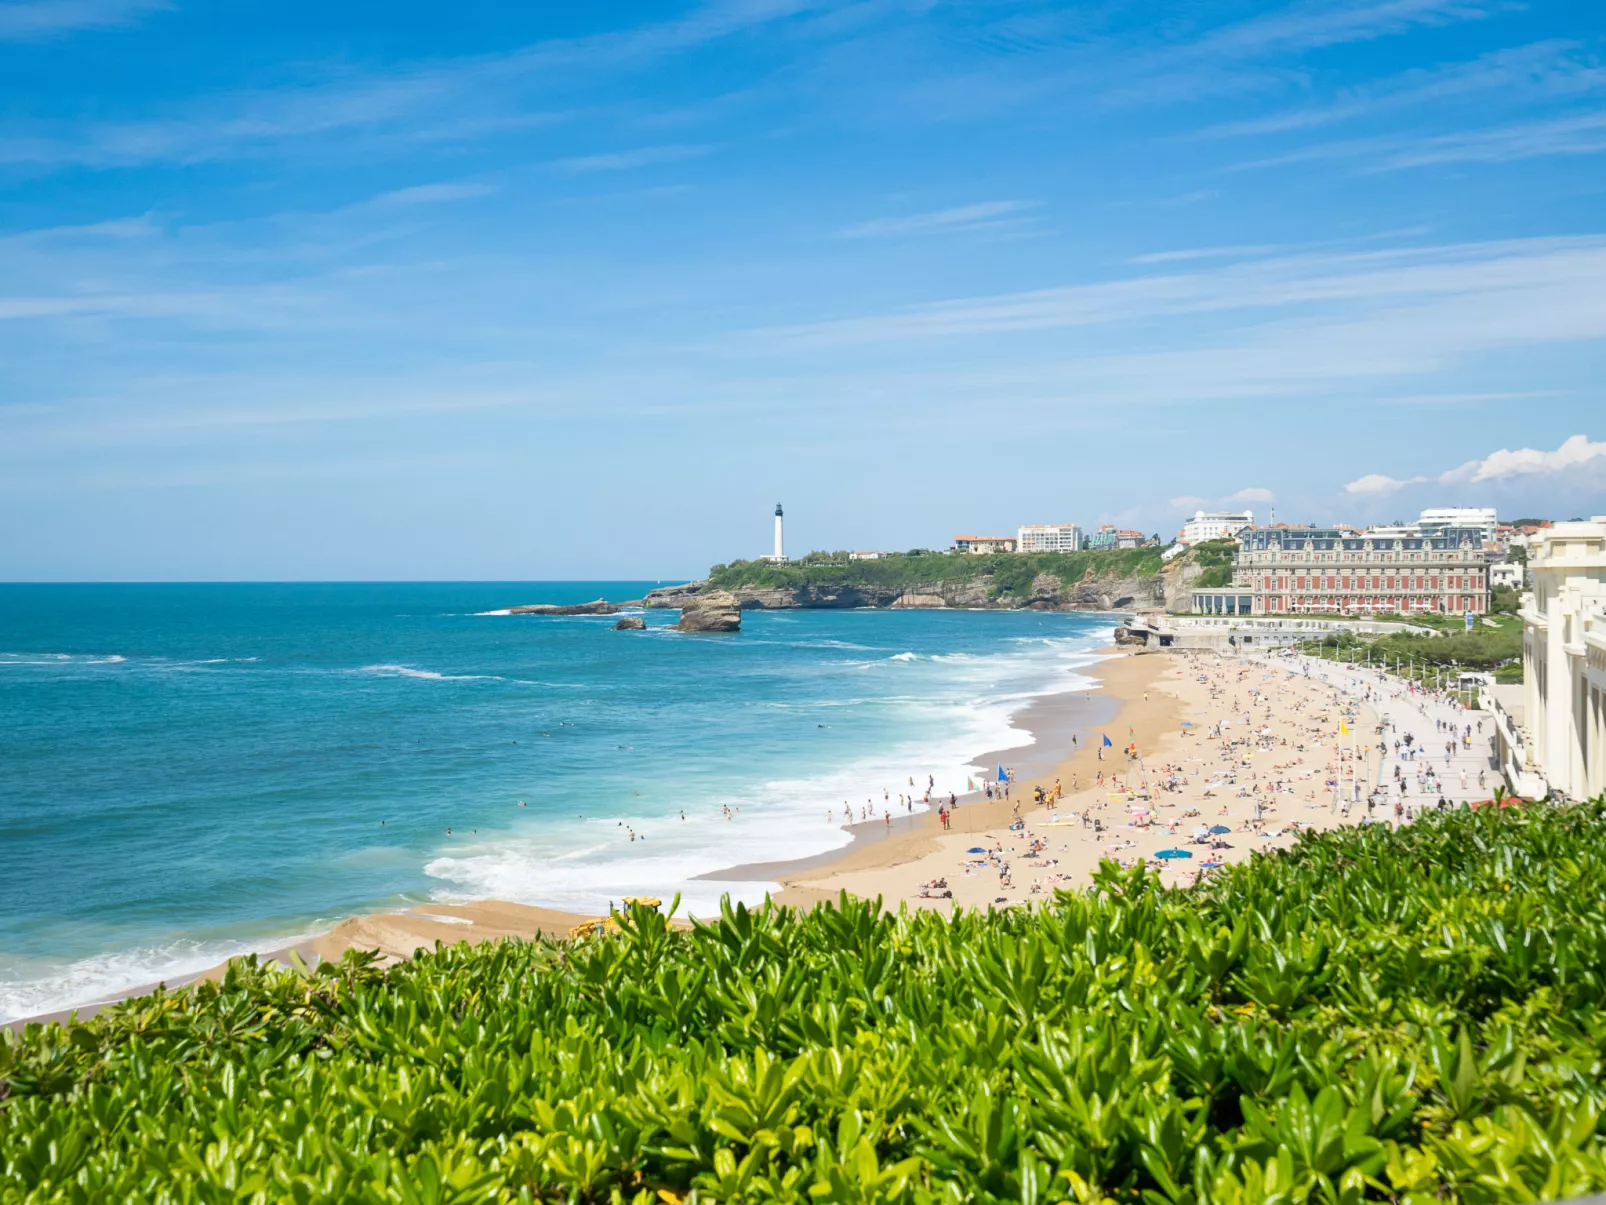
1002 777
1107 741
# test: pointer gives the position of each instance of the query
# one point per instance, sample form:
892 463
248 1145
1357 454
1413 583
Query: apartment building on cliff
1049 537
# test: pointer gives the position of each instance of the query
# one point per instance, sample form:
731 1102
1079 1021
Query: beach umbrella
975 849
1173 853
1220 828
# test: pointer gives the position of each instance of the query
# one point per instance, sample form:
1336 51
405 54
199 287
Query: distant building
1223 600
867 556
980 544
1131 539
1331 570
1480 518
1507 573
1559 736
1214 525
1104 538
1049 537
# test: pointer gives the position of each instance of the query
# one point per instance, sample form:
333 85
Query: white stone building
1049 537
983 544
1480 518
1560 736
1214 525
1507 573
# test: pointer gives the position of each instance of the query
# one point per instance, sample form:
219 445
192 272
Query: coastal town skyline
568 294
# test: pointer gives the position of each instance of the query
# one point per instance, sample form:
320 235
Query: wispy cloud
1552 70
1313 25
984 215
22 20
1193 253
1574 134
1373 277
619 161
1576 453
434 194
467 97
1469 399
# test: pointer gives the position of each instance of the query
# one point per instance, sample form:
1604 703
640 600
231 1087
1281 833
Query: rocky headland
1165 590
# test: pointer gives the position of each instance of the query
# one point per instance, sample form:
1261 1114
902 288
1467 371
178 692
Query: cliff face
1166 590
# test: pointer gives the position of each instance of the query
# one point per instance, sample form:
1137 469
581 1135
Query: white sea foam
583 865
503 611
57 659
904 657
428 675
32 988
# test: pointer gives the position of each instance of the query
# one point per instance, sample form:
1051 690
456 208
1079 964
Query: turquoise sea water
188 771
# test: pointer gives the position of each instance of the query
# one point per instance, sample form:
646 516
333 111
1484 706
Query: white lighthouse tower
780 541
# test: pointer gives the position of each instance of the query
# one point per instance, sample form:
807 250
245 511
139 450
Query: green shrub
1409 1016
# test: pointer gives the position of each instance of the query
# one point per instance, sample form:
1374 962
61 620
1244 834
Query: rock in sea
631 623
716 611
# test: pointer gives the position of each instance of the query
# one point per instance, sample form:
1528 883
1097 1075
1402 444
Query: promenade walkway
1418 713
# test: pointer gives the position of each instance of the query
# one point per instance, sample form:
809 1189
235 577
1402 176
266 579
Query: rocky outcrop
711 611
672 597
631 623
600 606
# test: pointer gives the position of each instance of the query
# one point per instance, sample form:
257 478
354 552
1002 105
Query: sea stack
716 611
631 623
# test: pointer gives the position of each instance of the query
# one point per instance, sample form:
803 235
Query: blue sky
500 291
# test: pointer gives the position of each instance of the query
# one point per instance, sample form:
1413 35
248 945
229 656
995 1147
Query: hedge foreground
1370 1016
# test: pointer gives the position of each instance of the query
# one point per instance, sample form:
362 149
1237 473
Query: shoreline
1049 719
1122 676
1207 727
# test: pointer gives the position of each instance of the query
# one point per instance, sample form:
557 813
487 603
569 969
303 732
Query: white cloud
1253 494
1575 453
984 215
1188 503
1377 483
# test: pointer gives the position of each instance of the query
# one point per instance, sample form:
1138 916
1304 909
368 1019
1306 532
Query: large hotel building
1337 570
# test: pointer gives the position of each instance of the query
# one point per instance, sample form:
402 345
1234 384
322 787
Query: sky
516 292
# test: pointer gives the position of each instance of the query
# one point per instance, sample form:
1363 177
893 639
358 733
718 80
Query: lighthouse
780 539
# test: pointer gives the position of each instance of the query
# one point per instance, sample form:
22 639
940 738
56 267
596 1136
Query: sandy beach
1278 746
1196 740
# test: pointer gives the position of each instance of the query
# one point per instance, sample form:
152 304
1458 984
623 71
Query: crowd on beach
1261 748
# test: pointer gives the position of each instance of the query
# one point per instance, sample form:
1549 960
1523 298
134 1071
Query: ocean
193 771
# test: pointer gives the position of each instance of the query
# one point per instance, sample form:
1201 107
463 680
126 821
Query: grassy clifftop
1010 574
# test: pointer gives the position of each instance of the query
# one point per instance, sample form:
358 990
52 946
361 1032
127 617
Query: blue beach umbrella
975 849
1220 828
1173 853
